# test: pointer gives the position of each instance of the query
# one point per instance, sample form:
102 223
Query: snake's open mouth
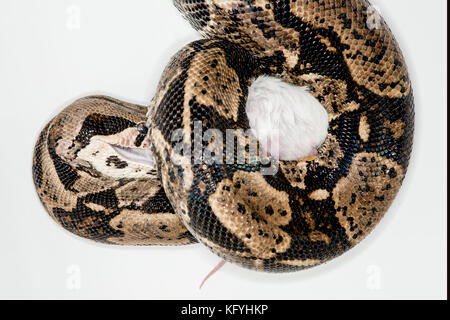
136 155
287 120
118 155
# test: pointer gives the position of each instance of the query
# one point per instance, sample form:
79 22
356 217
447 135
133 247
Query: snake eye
142 128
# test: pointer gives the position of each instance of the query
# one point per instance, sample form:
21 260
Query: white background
120 49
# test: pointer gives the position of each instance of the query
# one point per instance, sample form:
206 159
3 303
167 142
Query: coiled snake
271 215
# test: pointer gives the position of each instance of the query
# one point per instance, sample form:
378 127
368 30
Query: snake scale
303 214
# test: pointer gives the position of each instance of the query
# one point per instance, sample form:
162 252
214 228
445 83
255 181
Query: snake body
305 212
87 186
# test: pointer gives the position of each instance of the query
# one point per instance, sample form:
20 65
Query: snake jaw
132 145
136 155
125 154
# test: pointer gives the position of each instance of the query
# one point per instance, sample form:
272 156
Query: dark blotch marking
99 124
119 164
269 210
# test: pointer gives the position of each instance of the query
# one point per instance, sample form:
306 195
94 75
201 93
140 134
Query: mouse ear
142 156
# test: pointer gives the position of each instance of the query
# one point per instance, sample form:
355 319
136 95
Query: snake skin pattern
87 187
304 212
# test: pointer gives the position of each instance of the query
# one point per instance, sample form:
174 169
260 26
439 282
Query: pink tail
217 268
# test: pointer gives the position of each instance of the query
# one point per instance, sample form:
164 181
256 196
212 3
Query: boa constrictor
305 212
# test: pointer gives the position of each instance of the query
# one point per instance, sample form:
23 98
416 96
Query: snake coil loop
274 216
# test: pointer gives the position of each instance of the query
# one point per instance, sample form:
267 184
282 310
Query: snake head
103 138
